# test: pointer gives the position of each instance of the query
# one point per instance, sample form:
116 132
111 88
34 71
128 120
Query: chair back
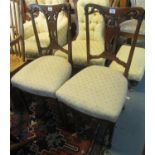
113 17
51 12
16 29
96 21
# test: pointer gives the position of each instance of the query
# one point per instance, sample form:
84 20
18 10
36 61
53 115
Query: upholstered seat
79 53
30 44
96 91
137 67
43 76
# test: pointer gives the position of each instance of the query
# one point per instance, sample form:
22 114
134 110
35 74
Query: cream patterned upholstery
138 3
137 67
28 2
30 43
96 35
79 53
96 91
95 21
31 46
129 27
43 76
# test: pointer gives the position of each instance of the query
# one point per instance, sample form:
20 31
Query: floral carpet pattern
43 121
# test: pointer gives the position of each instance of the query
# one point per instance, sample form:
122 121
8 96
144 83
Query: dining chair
99 91
43 76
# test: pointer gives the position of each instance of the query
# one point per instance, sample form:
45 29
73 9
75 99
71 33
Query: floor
15 62
129 135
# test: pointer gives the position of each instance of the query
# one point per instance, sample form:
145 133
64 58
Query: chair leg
17 100
109 135
62 114
24 102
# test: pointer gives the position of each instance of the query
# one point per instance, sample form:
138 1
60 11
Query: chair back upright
51 13
16 29
119 3
113 17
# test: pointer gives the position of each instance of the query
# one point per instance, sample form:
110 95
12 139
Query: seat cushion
96 91
79 53
43 76
137 67
130 27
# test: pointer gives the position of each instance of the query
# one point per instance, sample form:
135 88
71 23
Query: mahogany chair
17 50
99 91
43 76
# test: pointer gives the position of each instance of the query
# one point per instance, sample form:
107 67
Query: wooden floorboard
15 62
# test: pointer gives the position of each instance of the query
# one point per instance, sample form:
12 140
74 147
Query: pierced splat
51 13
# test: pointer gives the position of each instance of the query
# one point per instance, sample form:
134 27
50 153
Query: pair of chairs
96 91
79 52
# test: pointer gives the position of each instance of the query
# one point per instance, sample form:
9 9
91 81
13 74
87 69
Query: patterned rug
43 121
